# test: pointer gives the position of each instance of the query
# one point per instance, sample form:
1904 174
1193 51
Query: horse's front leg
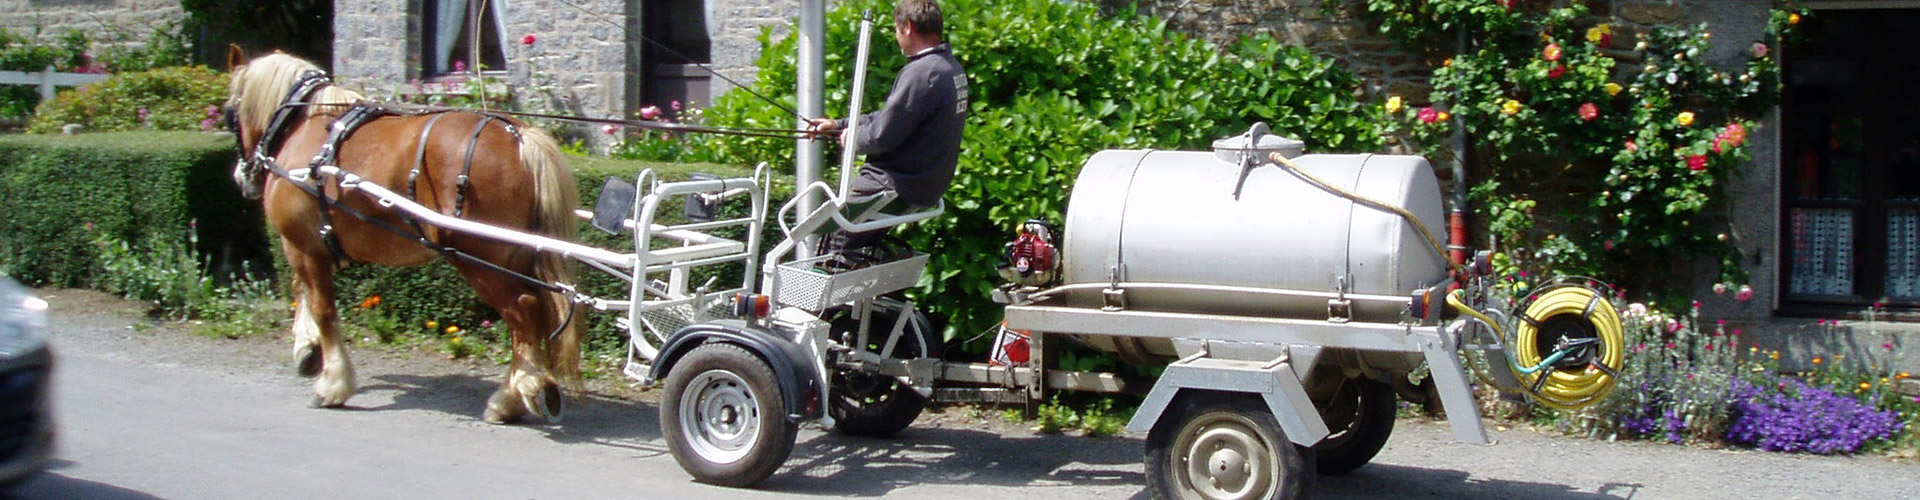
318 348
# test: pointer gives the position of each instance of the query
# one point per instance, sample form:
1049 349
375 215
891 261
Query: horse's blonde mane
262 85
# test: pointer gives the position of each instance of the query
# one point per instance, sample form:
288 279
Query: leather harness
357 114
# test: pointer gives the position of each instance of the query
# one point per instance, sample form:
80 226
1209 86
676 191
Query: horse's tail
558 196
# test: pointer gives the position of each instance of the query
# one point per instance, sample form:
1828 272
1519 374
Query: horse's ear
235 56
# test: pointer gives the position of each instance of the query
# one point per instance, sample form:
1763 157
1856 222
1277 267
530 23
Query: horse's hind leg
318 349
530 387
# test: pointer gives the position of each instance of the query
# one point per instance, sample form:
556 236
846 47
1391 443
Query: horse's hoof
310 361
553 401
320 402
500 410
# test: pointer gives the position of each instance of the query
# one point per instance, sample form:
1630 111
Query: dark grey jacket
915 138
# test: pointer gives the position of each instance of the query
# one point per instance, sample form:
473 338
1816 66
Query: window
1850 167
458 32
672 73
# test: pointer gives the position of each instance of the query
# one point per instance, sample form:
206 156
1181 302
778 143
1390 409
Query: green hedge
133 186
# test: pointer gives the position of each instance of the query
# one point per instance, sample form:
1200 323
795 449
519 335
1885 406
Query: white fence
47 79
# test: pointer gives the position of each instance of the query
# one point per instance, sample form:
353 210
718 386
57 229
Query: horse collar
290 111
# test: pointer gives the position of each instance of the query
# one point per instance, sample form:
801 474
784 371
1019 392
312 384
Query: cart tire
879 406
723 416
1360 417
1219 446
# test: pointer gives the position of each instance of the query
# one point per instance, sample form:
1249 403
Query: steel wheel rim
1223 457
720 417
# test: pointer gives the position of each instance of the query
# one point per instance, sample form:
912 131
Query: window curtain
452 14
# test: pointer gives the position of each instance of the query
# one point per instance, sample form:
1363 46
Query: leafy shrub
176 98
1043 100
23 53
134 187
1629 152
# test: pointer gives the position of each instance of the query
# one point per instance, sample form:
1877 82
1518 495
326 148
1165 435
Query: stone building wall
585 59
106 22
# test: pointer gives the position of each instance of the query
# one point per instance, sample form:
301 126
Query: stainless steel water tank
1173 217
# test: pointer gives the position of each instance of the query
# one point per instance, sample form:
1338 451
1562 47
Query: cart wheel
1216 446
1360 414
723 417
871 405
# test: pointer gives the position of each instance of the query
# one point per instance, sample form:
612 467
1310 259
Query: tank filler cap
1259 141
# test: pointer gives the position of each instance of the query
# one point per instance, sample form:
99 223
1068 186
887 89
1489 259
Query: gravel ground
969 453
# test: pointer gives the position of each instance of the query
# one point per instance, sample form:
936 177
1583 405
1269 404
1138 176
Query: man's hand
823 128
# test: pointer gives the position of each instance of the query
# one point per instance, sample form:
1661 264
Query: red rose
1588 112
528 40
1697 162
1428 115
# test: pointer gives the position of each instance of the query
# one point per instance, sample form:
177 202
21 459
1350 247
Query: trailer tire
1360 416
1194 450
869 405
723 416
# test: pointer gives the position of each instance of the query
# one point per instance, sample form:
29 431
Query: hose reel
1567 348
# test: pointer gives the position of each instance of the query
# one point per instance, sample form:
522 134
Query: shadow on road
53 485
1395 481
839 465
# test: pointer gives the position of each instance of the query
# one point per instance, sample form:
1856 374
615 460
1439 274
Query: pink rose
608 129
1719 288
650 113
1588 112
1428 115
1759 49
1552 52
1697 162
1745 293
1631 146
528 40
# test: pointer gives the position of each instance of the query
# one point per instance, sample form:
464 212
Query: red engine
1032 258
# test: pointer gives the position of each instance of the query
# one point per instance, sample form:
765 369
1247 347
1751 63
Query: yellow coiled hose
1567 389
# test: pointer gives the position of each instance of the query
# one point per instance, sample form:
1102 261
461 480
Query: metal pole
810 91
853 113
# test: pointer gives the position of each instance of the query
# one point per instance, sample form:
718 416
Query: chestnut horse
480 167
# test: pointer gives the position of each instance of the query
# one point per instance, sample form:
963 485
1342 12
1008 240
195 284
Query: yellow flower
1599 33
433 325
1443 116
1865 386
1773 355
451 329
1394 105
1447 63
1793 18
1816 361
1904 375
1613 89
1510 107
1685 119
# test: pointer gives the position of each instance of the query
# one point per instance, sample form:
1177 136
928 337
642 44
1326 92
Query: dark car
26 427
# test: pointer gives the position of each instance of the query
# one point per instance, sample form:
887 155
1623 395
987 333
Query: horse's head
259 113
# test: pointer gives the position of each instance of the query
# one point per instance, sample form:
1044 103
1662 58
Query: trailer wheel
1214 446
1360 416
872 405
723 416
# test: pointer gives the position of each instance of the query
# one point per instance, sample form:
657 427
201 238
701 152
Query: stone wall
585 59
106 22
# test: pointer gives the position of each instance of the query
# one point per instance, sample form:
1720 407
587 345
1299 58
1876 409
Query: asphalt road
150 412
